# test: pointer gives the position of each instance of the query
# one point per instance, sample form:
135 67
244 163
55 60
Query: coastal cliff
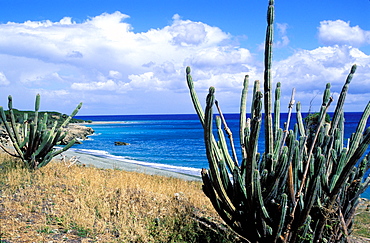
77 131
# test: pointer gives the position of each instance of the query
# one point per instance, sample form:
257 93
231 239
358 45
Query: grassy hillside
61 202
75 203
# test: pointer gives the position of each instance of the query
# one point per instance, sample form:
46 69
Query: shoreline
111 163
99 122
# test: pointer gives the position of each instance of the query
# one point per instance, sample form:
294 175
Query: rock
76 131
120 143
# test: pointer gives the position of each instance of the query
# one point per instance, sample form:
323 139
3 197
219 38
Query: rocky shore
77 131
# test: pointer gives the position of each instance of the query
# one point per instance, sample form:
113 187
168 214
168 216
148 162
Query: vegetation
305 187
75 203
32 140
52 117
315 118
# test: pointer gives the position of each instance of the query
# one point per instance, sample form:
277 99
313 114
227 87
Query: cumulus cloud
109 85
103 62
309 70
340 32
282 32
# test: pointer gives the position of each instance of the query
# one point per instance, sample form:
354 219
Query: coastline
126 165
99 122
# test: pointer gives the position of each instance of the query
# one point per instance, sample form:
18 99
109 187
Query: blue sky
128 57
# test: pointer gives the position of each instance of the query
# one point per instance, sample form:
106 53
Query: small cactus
33 142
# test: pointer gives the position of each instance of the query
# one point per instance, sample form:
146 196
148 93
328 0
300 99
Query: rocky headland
77 131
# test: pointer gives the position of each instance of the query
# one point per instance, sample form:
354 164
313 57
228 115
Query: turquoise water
172 142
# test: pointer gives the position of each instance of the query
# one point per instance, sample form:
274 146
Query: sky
123 57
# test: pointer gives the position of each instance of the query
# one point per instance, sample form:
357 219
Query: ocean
170 142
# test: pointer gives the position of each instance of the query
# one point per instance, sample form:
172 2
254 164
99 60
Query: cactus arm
208 189
25 126
8 152
300 120
65 148
256 87
290 180
229 133
277 145
258 194
13 122
65 123
223 146
245 160
47 137
341 99
240 194
277 110
359 131
243 114
290 106
268 79
10 133
284 206
194 97
32 135
342 160
271 191
251 164
208 138
37 108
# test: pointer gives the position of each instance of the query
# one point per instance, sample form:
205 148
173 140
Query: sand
109 163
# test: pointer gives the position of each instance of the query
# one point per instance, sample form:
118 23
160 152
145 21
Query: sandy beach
109 163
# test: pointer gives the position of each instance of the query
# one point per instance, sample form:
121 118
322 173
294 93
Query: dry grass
362 220
84 204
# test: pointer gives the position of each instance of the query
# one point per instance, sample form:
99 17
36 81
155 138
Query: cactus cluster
33 141
305 186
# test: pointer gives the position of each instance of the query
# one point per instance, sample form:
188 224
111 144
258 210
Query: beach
109 163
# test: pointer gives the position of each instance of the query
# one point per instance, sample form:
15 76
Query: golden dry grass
58 203
84 204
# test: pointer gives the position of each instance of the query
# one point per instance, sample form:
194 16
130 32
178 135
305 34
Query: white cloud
3 79
340 32
282 33
108 85
309 71
103 62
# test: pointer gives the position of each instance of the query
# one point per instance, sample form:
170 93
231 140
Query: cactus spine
34 143
303 181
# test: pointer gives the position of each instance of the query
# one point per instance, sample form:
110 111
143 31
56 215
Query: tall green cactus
34 142
305 186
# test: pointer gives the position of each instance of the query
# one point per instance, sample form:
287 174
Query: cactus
305 186
33 142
